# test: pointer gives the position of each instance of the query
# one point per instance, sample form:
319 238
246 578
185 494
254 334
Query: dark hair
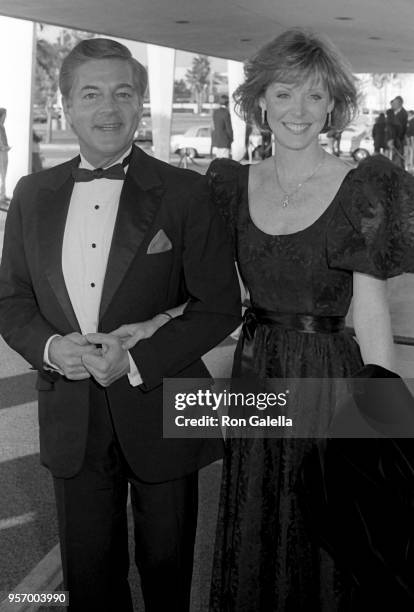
292 57
3 112
100 48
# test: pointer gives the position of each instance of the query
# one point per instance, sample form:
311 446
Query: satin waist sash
308 324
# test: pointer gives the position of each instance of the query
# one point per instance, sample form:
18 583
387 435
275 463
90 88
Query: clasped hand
78 357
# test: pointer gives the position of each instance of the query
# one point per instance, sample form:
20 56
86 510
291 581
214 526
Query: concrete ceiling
375 35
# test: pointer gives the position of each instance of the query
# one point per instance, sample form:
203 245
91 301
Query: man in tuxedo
109 238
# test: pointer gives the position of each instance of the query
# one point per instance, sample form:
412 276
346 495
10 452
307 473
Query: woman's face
297 113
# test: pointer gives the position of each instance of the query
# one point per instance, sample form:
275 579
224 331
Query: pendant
285 200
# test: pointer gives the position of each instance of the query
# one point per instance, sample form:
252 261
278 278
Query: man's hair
398 99
293 57
95 49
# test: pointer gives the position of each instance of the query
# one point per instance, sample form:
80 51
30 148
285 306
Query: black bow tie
116 172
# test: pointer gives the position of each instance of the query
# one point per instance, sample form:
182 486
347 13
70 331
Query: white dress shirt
87 240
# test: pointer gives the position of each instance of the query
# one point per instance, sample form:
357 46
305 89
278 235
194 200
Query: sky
183 60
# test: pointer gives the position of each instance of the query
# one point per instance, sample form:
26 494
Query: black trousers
93 531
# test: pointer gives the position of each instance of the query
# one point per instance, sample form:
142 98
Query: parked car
195 142
144 132
356 141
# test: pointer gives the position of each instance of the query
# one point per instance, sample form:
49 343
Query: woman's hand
134 332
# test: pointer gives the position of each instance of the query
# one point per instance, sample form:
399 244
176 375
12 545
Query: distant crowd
393 134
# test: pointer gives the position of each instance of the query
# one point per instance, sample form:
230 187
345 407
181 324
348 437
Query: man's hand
66 353
111 364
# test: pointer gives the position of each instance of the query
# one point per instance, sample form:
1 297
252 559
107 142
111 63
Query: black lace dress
265 560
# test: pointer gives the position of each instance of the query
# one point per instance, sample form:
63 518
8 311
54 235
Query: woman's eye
282 95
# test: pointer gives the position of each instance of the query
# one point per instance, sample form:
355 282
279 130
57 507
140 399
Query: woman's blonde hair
293 57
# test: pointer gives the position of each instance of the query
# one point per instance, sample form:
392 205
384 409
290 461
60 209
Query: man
90 250
398 117
410 140
222 132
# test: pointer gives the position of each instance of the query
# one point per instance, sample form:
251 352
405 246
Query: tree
181 91
197 78
381 81
49 58
46 72
220 84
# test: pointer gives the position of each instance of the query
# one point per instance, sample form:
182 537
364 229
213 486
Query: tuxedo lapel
53 210
139 202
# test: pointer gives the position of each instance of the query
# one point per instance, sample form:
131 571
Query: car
356 141
143 132
195 142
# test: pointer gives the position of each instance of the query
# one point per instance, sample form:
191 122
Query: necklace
288 194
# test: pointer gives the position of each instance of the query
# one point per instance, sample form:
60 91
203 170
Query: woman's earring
264 116
329 120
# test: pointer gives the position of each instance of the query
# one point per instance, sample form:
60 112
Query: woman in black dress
309 232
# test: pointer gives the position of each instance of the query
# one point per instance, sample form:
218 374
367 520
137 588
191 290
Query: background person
222 131
410 140
334 138
306 241
390 133
4 154
378 134
111 237
37 164
255 141
397 116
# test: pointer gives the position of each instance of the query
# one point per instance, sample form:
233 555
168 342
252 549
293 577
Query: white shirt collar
85 164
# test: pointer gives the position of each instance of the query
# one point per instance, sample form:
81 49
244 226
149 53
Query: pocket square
159 244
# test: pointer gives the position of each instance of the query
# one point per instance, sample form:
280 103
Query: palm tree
197 79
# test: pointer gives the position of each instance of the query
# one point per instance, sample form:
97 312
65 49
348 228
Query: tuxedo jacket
168 246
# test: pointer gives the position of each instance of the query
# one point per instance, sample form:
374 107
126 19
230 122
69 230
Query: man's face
395 104
103 109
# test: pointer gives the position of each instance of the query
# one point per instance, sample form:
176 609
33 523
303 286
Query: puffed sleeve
372 229
223 178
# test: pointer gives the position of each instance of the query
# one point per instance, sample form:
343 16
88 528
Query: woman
309 233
